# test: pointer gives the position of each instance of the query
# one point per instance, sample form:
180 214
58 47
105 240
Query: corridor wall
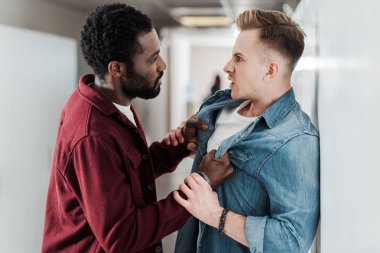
344 70
38 72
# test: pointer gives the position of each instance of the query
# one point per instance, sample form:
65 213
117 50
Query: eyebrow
237 54
155 53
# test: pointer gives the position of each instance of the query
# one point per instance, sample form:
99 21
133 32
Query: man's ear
272 71
117 69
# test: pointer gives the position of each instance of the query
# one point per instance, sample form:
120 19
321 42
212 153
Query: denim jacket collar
272 115
276 112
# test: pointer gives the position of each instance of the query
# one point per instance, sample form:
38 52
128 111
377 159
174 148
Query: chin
234 94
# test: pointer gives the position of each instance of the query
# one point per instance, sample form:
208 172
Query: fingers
173 139
179 135
190 181
185 189
192 147
198 179
170 138
196 124
183 124
180 200
226 157
167 139
175 136
211 153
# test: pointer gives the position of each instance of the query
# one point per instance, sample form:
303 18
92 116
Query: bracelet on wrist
222 221
204 176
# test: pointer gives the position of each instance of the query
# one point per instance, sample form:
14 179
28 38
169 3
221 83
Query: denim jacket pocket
239 156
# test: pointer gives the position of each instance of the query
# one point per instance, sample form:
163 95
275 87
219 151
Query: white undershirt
126 110
228 123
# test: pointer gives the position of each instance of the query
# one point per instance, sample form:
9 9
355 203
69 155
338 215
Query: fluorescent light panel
205 21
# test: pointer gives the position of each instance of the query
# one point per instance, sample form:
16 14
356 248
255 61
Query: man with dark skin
102 196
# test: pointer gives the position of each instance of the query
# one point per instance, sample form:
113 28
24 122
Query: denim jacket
275 183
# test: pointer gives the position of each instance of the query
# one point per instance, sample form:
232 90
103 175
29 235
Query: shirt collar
95 98
276 112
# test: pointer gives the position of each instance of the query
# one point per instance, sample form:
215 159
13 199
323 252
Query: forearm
233 227
135 229
148 226
277 234
165 158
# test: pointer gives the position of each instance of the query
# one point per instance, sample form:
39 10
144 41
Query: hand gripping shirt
275 183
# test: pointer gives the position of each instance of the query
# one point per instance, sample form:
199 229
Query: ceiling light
205 21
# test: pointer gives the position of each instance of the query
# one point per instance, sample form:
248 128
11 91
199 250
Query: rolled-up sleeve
254 230
291 178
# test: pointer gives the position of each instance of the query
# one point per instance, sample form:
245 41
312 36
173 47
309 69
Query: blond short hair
277 31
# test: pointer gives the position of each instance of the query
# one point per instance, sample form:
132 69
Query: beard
139 86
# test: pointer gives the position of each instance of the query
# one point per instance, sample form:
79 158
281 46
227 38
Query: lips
158 80
232 80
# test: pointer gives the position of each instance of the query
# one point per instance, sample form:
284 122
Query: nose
161 64
228 68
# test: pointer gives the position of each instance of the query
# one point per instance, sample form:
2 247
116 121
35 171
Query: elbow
292 242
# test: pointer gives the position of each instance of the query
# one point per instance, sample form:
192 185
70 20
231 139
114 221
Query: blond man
271 203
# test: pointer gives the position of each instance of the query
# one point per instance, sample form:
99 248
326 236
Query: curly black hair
110 34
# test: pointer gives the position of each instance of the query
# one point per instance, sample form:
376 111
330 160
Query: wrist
215 217
205 177
222 221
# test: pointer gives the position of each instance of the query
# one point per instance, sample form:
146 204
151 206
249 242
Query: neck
258 106
112 89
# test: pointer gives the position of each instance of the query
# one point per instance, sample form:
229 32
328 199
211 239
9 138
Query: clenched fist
217 170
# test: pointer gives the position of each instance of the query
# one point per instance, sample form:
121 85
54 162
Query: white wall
205 63
182 58
38 72
348 100
41 15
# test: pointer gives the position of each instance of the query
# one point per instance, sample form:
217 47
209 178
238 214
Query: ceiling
165 13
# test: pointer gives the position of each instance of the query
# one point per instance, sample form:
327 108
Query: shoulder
303 121
295 123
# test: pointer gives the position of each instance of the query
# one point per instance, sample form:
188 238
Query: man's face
143 79
246 67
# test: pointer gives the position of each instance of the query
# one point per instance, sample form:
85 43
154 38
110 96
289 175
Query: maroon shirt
102 195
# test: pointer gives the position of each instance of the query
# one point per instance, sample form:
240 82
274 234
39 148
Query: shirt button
145 156
158 249
150 186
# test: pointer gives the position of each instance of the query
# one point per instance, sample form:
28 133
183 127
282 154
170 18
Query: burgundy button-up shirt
102 195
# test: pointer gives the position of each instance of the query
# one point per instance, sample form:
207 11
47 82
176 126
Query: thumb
212 153
192 147
225 157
